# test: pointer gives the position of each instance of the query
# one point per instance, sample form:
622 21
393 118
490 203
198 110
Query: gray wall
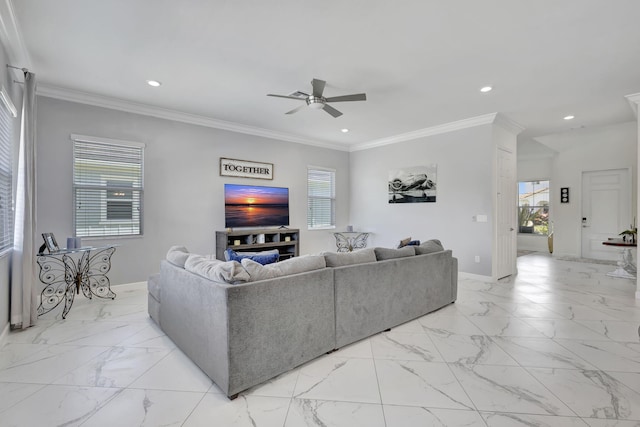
465 188
183 200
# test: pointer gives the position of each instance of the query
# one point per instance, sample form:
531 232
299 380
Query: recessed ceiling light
153 83
569 117
345 130
486 89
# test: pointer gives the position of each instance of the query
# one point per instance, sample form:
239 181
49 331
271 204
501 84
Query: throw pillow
387 253
220 271
429 247
178 255
340 259
229 251
404 242
259 258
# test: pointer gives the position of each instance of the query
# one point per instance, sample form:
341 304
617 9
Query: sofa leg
387 330
234 396
331 351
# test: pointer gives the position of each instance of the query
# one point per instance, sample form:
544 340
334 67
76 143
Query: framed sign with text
245 169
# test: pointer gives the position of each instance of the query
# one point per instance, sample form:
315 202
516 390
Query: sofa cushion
177 255
287 267
388 253
267 257
340 259
429 246
220 271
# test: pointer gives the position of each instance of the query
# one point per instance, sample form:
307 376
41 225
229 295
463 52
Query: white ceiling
421 63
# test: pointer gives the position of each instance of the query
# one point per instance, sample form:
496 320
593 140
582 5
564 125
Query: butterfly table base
65 276
348 241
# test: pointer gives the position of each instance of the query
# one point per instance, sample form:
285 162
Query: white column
634 101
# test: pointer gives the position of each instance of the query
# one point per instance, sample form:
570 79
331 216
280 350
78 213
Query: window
7 114
321 202
533 207
107 186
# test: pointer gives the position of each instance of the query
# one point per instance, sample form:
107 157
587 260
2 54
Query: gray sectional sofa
253 322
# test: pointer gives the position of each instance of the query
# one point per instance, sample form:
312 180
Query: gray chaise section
243 335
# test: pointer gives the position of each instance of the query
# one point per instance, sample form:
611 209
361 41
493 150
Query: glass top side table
68 271
348 241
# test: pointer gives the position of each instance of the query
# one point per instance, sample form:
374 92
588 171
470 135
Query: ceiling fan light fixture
345 130
486 89
154 83
569 117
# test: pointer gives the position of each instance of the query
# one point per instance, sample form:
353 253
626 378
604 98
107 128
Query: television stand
286 241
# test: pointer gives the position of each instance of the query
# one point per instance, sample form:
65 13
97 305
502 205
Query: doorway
506 214
606 210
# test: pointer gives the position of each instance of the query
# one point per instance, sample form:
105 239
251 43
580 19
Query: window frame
314 198
105 186
9 113
536 207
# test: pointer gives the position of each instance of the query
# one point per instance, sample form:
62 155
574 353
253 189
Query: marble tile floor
557 345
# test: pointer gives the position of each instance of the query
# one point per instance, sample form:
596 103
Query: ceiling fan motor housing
315 102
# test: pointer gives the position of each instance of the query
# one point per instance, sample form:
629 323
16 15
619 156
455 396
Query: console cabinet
285 240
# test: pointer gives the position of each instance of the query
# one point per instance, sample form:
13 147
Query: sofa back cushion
340 259
429 246
265 257
287 267
177 255
220 271
388 253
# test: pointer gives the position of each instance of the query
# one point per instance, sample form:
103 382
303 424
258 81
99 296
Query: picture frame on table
49 242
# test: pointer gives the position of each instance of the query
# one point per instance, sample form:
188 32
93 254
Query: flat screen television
255 206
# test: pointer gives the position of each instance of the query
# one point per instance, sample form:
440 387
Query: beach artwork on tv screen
255 206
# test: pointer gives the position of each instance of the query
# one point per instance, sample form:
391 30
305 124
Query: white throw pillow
177 255
220 271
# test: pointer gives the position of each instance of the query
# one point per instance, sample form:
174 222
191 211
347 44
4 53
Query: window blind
108 187
6 175
321 194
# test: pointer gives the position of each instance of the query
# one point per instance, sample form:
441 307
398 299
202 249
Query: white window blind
321 202
107 187
7 113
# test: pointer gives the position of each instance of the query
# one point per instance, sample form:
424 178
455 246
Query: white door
606 210
506 214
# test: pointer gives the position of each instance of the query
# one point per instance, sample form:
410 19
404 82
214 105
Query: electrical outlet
477 258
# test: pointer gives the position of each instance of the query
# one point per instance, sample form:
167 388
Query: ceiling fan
317 101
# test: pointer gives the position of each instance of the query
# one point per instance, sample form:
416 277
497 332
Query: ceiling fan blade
286 96
318 87
329 109
296 109
354 97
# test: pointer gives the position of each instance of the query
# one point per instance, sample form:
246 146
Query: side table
64 276
347 241
626 268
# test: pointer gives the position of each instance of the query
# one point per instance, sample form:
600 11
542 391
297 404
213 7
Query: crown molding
508 124
163 113
634 101
430 131
11 36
